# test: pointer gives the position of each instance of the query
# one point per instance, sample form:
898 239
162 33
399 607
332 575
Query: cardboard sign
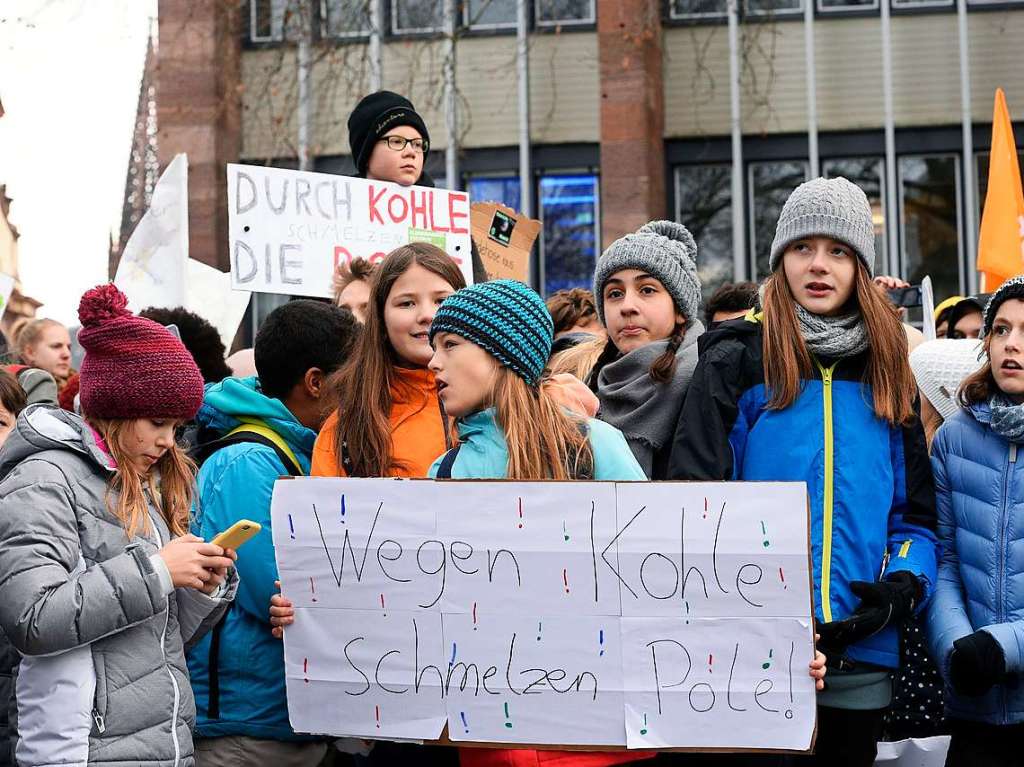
289 229
504 239
597 614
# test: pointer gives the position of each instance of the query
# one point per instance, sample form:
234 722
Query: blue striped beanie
505 318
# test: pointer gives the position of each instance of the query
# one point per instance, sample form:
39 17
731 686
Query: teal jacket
237 482
483 452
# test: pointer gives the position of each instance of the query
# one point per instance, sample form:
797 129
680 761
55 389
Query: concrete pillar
632 115
199 110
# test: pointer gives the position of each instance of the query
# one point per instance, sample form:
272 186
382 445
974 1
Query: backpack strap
444 471
259 433
213 703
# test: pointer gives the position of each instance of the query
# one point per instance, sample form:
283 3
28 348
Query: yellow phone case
237 534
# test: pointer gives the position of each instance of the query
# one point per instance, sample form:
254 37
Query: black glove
881 603
976 664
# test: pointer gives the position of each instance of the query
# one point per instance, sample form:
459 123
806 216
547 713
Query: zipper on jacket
101 724
828 503
167 667
1011 459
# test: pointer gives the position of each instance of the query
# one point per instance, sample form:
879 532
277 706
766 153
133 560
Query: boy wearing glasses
389 140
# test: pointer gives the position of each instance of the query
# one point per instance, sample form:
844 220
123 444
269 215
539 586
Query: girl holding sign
389 421
974 624
817 388
648 297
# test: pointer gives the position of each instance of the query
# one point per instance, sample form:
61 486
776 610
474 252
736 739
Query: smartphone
237 534
907 297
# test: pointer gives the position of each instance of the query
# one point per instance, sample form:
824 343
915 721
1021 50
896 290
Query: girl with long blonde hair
816 388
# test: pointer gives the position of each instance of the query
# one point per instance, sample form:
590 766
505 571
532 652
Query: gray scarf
644 411
833 337
1007 418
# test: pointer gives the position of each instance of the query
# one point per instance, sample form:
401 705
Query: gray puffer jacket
100 627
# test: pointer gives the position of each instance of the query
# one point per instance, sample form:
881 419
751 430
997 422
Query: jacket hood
43 427
234 401
982 412
481 425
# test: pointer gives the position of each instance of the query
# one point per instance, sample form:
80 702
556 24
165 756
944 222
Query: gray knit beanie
827 207
663 249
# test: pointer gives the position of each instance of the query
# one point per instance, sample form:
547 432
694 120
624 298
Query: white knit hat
940 367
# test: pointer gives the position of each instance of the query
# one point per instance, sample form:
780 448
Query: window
412 16
503 189
552 13
704 206
836 6
902 4
345 18
869 174
698 9
266 20
489 14
569 212
930 201
773 7
769 186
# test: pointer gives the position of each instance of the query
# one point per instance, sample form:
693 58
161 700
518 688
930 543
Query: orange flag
1001 240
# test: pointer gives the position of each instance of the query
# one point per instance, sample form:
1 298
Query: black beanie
374 116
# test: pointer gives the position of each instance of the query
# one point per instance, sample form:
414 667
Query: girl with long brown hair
102 584
388 420
816 388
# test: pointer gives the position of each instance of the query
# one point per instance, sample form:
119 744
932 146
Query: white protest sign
6 288
209 295
151 271
563 613
289 229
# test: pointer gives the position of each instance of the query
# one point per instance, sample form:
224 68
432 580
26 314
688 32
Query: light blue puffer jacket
979 489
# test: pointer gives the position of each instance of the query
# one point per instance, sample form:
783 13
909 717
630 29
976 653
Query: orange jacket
418 428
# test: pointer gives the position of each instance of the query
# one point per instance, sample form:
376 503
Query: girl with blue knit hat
648 297
491 343
817 388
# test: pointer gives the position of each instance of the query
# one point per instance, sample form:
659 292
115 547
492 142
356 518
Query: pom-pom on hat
662 249
133 367
827 207
505 318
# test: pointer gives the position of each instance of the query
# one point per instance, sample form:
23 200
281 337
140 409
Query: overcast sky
69 82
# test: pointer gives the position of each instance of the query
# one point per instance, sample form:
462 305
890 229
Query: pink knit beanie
133 367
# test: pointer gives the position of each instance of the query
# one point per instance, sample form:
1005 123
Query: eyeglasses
398 143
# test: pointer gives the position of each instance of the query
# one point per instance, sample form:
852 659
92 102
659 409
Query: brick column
199 111
632 115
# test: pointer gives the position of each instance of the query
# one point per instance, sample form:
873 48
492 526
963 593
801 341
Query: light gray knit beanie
662 249
827 207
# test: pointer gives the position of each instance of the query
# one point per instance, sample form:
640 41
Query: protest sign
289 229
504 240
6 288
152 268
595 614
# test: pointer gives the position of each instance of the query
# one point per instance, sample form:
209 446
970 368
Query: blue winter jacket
870 484
483 451
979 487
234 483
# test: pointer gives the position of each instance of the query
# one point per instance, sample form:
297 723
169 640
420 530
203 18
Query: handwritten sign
288 229
596 614
504 239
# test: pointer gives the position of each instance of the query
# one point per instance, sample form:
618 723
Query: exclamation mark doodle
538 631
312 588
452 661
600 641
705 508
520 513
768 663
711 662
783 579
342 508
464 722
764 532
305 670
291 527
508 719
474 616
643 730
565 532
687 605
376 712
382 607
565 580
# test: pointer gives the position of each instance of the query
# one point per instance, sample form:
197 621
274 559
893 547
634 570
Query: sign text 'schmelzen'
289 229
596 614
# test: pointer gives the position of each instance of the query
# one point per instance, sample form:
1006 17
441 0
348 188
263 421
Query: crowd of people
130 638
